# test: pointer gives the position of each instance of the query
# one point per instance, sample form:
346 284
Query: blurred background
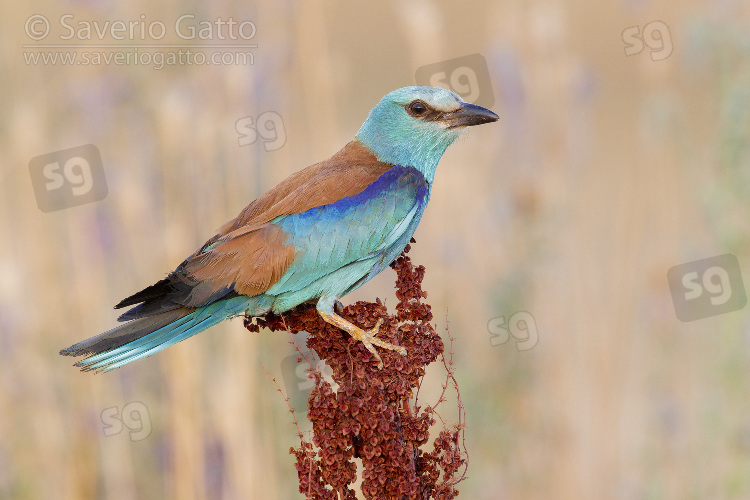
622 151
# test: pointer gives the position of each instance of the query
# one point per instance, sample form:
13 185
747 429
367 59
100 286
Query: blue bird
319 234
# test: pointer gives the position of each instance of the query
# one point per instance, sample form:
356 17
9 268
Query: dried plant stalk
369 416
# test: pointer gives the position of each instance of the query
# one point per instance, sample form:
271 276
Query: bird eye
416 108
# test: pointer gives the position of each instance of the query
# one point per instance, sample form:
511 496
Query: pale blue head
413 126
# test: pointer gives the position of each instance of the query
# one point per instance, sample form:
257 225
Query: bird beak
468 115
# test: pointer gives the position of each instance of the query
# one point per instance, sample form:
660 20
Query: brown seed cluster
369 416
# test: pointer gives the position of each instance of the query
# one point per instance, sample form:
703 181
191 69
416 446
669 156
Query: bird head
413 126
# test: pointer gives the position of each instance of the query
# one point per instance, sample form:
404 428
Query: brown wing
248 254
346 173
249 259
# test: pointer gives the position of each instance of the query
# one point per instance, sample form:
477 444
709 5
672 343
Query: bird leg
367 337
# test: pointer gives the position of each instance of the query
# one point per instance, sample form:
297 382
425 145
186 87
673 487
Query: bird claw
369 339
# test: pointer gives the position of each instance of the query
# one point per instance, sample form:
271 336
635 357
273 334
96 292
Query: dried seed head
369 416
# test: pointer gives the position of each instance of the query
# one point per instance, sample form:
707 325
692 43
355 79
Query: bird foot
367 337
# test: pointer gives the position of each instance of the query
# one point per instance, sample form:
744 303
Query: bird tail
143 337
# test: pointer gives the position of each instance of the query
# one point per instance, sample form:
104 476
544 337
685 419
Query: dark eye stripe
423 111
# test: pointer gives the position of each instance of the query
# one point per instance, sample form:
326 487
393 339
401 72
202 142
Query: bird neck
418 149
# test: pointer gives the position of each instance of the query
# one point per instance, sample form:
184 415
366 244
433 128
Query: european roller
319 234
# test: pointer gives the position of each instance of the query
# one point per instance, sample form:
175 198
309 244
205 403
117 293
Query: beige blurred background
604 171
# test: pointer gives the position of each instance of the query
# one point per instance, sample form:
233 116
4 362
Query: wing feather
249 254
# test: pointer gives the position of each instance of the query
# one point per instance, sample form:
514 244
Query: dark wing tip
74 350
157 290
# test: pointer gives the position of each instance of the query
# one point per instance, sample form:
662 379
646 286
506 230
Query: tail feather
162 336
124 334
172 336
146 336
